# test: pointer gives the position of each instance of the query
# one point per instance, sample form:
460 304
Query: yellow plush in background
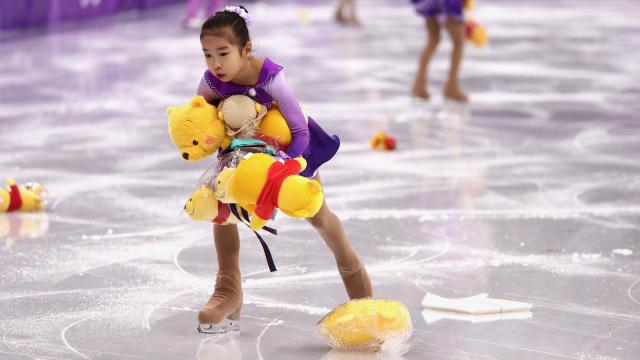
196 130
27 197
475 33
366 325
260 184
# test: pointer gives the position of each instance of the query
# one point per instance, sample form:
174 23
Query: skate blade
224 327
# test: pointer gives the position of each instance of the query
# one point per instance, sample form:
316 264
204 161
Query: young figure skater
233 70
341 13
191 19
452 10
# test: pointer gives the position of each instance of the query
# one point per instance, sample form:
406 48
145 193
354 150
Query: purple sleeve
205 90
279 89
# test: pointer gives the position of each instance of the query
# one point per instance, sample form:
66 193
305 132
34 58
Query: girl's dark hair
217 23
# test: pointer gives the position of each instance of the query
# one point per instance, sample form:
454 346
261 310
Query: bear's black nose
185 156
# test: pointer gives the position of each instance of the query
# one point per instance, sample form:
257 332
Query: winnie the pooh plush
27 197
222 186
260 184
203 206
196 130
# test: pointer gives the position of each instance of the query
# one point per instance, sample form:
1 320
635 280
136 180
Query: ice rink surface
530 193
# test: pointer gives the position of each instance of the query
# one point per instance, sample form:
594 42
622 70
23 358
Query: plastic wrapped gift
366 325
231 157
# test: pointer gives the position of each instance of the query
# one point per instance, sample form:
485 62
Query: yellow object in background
475 33
366 324
469 4
304 17
26 197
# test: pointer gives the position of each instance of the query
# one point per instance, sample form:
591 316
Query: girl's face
224 58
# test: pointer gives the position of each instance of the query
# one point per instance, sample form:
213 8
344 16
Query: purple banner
35 13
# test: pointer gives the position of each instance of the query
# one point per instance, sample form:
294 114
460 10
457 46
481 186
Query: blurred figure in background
452 11
191 18
344 7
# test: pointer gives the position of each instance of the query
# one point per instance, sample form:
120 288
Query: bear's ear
170 110
258 107
226 142
315 187
221 115
302 161
198 101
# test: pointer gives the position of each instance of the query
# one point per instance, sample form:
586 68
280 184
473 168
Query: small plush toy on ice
27 197
367 325
383 141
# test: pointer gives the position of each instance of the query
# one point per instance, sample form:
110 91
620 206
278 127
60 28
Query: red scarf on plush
223 213
15 200
268 199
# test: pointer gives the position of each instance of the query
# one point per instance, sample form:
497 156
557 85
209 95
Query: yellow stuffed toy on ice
196 130
366 325
27 197
203 206
260 184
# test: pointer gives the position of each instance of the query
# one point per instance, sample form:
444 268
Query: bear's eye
195 142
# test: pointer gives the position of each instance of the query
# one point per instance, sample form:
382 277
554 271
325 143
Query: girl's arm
281 92
206 92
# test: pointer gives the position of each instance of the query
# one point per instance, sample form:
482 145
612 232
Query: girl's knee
322 219
434 40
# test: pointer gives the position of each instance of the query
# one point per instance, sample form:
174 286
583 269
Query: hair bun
241 11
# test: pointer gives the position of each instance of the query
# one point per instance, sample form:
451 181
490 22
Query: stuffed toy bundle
27 197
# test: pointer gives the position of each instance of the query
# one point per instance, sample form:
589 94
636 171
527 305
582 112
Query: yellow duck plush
203 206
28 197
260 184
196 130
366 325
